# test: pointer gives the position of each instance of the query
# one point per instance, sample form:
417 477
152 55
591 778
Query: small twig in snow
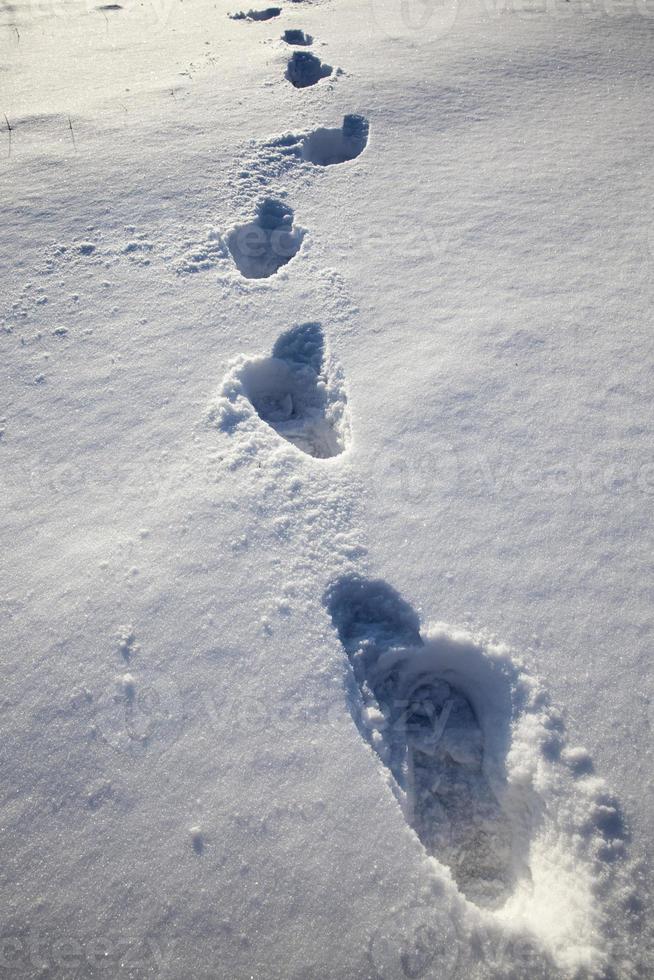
9 131
72 134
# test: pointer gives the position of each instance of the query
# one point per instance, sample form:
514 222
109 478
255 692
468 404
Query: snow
440 398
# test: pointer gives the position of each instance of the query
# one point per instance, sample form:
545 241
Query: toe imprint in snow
298 392
305 69
411 704
260 247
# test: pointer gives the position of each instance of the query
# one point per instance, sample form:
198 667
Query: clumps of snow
305 69
127 645
577 759
139 251
202 256
261 246
266 14
128 686
296 36
298 392
463 732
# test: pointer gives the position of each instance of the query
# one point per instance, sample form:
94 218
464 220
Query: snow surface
226 540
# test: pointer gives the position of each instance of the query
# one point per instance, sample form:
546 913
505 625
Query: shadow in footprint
438 714
266 14
324 147
305 69
328 146
260 247
289 392
295 36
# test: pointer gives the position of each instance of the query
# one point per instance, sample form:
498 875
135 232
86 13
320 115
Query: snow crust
444 389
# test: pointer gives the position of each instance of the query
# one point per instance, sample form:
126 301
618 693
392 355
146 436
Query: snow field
185 687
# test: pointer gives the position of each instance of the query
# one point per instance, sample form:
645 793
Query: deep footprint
260 247
412 707
266 14
325 147
298 37
328 146
304 69
297 391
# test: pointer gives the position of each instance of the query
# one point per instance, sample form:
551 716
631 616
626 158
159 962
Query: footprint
298 392
266 14
325 147
295 36
260 247
437 712
305 69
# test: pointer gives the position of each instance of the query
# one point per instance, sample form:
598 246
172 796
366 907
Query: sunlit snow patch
260 247
298 392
